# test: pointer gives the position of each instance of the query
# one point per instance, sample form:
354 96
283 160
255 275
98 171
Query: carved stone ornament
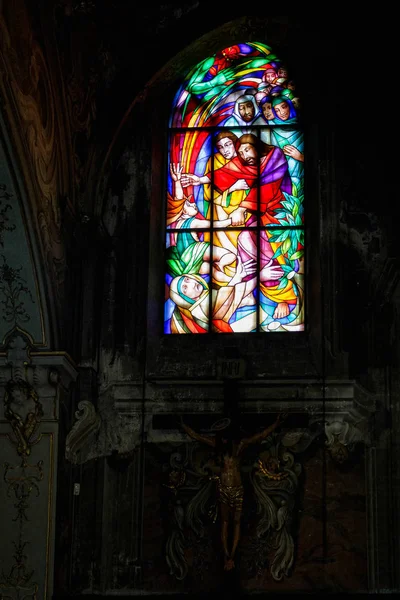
273 481
24 412
341 439
87 425
106 431
30 102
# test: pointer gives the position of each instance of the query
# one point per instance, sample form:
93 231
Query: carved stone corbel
342 437
83 431
112 430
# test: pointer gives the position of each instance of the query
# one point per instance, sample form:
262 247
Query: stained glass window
235 200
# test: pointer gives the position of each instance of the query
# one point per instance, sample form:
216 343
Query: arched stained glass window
234 218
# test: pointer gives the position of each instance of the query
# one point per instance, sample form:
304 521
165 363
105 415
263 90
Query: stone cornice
332 391
42 370
59 361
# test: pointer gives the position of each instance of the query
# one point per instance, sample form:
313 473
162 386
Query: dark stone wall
348 314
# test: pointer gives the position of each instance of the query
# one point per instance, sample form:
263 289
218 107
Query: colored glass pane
235 197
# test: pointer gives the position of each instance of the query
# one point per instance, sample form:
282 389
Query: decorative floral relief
12 285
24 411
21 480
4 208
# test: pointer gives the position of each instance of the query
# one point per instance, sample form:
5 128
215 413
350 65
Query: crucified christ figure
229 481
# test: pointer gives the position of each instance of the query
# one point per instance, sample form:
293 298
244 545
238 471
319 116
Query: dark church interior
122 471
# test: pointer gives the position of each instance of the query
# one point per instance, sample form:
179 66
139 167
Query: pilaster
31 383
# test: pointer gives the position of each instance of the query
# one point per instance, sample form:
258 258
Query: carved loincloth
231 495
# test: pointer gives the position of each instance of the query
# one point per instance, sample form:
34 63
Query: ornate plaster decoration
103 433
29 101
341 439
5 207
111 426
82 433
273 479
29 384
18 365
29 84
43 372
24 412
18 304
21 481
13 289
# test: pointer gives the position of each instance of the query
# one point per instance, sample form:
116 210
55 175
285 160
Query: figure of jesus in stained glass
234 226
